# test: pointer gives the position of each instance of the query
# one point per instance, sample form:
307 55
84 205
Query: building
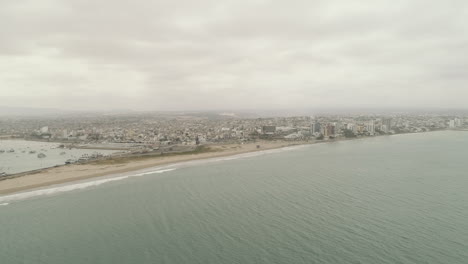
315 127
386 125
268 130
452 124
329 130
45 130
371 127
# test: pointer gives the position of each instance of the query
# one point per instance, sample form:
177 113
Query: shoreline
78 172
63 174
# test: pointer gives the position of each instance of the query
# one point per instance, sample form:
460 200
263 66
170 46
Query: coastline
78 172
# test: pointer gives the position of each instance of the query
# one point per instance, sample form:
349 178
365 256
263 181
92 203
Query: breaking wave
155 170
72 187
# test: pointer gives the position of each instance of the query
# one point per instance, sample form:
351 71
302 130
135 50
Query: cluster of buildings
200 129
457 122
329 127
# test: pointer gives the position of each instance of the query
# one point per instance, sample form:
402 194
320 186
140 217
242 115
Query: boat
2 174
32 152
70 161
11 150
83 159
41 155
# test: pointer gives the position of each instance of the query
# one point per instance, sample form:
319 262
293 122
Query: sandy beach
76 172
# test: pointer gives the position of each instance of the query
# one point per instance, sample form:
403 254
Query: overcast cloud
186 54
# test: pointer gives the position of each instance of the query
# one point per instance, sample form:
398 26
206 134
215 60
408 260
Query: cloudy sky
223 54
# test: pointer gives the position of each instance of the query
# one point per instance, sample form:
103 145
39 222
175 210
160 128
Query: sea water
22 160
397 199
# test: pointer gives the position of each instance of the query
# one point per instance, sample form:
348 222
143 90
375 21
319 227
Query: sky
223 54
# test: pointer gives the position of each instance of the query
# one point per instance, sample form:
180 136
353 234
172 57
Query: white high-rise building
452 124
371 127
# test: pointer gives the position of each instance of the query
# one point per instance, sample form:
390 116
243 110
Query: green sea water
398 199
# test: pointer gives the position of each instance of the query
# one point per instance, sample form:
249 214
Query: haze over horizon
158 55
7 111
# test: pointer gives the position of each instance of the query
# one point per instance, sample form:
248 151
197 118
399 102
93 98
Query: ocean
395 199
22 160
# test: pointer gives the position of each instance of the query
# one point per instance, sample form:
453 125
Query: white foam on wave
73 186
151 172
155 170
4 204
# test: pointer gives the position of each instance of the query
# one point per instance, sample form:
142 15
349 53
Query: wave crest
72 187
